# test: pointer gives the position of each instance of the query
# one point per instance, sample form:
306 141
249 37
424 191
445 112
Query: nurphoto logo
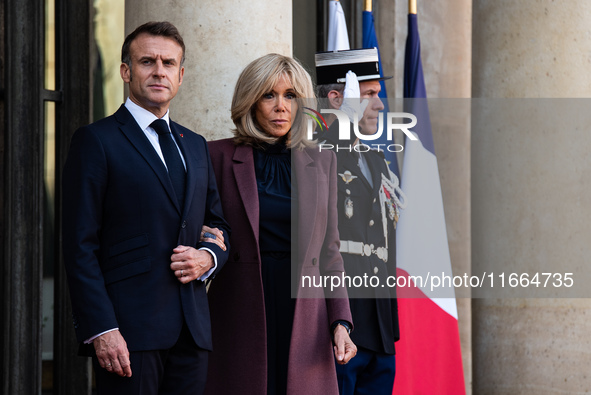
345 130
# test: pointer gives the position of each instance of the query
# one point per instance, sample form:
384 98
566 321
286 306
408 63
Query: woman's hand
213 235
344 348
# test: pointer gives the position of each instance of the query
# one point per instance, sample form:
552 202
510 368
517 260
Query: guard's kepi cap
332 66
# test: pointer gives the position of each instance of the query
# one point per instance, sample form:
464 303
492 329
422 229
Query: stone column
529 188
221 38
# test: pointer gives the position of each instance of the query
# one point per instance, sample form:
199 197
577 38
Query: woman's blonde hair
259 78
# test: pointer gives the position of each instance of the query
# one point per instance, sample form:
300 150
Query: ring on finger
182 275
209 235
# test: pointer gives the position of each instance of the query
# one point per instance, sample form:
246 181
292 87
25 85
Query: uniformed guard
369 204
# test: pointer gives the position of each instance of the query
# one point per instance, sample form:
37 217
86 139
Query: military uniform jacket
362 228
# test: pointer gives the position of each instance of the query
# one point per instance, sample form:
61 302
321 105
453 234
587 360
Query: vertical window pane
49 238
109 33
50 44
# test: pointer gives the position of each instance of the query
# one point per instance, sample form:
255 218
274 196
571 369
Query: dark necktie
174 163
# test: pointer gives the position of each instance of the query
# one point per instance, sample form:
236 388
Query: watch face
344 324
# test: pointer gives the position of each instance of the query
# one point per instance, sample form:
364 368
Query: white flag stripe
338 39
422 248
448 305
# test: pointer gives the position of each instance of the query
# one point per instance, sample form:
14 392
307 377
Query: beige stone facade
481 49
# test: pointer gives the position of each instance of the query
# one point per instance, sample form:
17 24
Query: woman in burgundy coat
265 341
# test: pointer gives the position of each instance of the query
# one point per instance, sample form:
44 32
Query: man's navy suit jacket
121 221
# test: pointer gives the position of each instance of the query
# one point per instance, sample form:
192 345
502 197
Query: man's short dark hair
323 90
163 29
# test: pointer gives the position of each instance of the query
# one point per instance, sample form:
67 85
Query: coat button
371 222
314 261
184 225
375 270
236 256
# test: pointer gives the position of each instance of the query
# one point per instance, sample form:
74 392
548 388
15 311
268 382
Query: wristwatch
345 325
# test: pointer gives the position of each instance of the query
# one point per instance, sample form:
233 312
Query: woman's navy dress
273 174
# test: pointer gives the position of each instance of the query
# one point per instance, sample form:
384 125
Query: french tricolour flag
428 359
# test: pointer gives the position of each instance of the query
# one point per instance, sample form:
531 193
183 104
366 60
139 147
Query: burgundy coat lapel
247 185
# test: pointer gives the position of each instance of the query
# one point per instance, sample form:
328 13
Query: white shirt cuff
206 275
88 341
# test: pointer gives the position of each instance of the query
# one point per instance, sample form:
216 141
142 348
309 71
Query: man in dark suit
137 190
368 211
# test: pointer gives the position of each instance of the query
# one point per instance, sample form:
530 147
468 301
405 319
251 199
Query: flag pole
367 5
412 6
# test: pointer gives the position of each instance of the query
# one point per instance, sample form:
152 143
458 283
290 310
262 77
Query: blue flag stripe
370 40
414 85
